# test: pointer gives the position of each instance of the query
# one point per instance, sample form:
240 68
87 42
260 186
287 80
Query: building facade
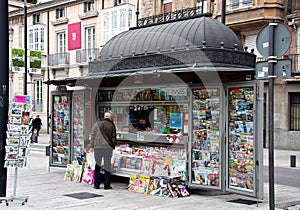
71 33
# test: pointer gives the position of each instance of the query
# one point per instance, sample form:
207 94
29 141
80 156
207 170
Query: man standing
36 125
103 141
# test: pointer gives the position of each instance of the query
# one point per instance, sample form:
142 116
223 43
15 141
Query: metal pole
48 72
223 11
271 61
137 12
25 47
4 91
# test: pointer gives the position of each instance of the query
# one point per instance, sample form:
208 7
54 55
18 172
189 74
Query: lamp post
4 66
25 46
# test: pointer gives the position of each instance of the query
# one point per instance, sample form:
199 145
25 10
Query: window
114 22
36 18
122 19
60 13
199 5
89 6
295 111
36 38
237 4
105 27
119 2
61 42
38 95
90 38
130 18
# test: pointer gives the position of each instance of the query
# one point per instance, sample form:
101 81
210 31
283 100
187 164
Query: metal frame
258 141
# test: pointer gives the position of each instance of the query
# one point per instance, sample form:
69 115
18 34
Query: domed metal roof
172 36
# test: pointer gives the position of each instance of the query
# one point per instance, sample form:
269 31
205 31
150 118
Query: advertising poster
35 64
18 60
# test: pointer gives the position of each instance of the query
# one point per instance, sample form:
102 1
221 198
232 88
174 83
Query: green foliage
17 52
37 54
35 59
18 57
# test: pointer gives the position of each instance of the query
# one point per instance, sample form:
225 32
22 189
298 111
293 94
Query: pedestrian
103 141
36 127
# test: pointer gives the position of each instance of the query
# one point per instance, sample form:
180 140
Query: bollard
293 160
48 150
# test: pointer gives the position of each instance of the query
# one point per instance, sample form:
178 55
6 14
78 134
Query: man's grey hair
108 114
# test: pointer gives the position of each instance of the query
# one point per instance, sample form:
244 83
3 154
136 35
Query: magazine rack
17 144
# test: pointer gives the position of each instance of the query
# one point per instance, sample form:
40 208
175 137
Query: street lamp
25 46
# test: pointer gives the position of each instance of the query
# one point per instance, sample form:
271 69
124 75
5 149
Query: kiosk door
205 145
244 139
60 128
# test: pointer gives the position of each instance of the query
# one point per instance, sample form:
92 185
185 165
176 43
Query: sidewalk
48 190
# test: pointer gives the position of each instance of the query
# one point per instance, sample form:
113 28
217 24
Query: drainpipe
223 11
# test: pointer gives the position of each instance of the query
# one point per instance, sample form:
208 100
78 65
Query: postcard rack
17 144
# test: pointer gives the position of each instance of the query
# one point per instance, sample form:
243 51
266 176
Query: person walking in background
103 141
36 127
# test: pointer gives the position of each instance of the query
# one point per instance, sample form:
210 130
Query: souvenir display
60 129
205 143
241 138
157 185
18 136
78 125
151 161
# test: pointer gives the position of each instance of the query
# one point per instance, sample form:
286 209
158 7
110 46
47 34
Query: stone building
50 25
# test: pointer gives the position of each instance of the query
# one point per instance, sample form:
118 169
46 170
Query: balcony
247 14
59 59
293 7
86 55
170 16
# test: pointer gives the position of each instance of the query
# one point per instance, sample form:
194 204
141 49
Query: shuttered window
250 42
295 111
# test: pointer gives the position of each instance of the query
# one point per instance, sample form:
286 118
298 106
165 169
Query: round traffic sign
282 40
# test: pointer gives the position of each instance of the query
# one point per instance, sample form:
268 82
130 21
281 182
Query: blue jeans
99 155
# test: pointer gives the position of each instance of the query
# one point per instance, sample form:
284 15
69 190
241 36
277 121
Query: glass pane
206 137
60 129
241 139
78 126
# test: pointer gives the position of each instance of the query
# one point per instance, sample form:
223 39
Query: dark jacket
37 123
103 134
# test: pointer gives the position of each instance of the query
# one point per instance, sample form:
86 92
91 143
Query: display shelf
205 143
149 137
149 160
17 143
61 107
241 139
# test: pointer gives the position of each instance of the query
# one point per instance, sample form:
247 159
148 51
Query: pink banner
74 36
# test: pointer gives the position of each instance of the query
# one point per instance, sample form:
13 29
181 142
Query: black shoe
108 188
96 187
